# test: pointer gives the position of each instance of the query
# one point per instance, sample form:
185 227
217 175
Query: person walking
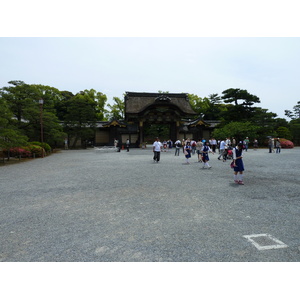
187 151
194 145
199 147
177 147
157 147
214 144
222 149
238 165
228 142
255 144
116 144
66 143
170 144
233 142
165 146
127 145
205 158
246 143
278 146
270 144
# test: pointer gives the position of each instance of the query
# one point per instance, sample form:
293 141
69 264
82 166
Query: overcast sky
266 67
197 47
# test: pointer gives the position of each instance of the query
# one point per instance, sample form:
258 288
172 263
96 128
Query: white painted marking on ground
278 244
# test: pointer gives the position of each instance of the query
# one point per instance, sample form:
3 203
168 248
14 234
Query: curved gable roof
137 102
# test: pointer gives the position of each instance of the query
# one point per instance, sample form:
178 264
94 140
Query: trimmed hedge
43 145
18 152
33 149
36 151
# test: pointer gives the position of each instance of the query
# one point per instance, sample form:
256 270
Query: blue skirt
188 153
239 165
205 157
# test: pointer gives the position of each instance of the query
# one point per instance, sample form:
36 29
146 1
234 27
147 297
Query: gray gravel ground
83 205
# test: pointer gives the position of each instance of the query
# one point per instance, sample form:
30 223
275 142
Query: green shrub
43 145
36 150
46 147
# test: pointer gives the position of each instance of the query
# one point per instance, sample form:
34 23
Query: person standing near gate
177 147
127 145
66 143
157 147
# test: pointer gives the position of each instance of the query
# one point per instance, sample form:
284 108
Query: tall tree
23 100
81 117
100 108
234 95
209 108
295 114
214 98
198 104
61 106
295 130
9 135
50 95
117 110
239 111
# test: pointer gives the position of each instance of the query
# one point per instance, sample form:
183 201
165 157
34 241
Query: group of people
222 145
117 146
274 143
202 147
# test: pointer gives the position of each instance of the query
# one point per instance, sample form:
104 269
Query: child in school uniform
238 165
205 158
187 151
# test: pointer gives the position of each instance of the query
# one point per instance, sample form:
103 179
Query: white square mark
258 239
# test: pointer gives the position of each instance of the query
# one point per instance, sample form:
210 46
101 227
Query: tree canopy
62 112
75 115
117 110
295 114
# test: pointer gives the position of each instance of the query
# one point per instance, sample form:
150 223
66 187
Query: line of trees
65 114
240 118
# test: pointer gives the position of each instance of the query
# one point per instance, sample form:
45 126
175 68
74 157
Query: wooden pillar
173 131
177 124
141 129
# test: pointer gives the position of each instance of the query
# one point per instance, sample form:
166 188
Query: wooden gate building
143 110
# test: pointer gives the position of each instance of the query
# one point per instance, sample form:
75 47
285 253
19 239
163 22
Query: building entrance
151 115
163 131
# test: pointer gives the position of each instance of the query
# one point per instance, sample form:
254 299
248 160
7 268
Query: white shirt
177 142
157 146
222 145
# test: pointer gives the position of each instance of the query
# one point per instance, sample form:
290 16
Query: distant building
143 110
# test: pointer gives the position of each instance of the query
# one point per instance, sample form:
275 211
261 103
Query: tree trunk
75 141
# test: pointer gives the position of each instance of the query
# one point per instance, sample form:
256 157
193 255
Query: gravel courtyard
85 205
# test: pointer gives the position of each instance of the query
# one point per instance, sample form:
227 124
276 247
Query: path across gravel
83 205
